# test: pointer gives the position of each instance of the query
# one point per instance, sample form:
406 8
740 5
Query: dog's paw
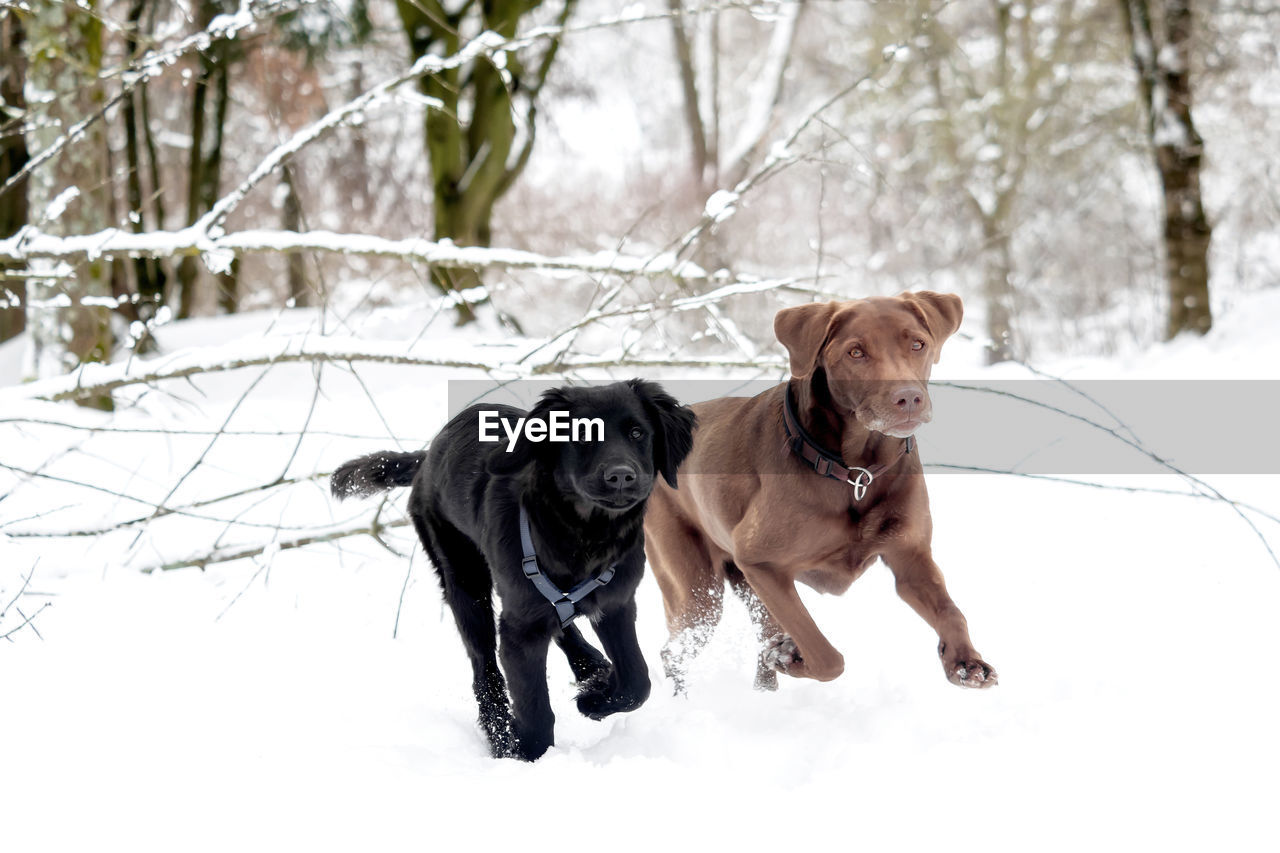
529 750
596 677
500 734
968 670
766 677
594 703
782 654
599 701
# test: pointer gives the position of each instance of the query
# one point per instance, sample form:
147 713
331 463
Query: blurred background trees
1039 158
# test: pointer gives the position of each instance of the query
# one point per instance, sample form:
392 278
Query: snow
59 204
720 205
318 698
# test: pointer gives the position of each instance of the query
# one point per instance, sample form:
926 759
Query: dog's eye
636 433
857 352
917 345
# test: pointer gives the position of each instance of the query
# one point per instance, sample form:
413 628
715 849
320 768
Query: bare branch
240 552
765 101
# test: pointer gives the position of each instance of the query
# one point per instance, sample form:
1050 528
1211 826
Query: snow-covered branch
93 378
31 243
251 15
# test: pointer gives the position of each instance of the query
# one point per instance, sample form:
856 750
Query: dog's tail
376 472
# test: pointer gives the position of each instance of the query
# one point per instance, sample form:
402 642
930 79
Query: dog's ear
673 427
803 330
941 313
526 451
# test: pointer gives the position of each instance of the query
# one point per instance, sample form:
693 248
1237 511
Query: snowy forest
242 241
1047 161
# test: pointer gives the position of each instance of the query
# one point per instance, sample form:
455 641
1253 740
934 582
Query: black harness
831 464
565 603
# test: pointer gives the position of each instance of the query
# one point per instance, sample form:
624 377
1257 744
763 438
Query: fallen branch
1130 442
1114 487
241 552
93 379
29 243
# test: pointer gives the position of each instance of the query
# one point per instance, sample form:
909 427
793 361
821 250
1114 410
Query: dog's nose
909 399
620 476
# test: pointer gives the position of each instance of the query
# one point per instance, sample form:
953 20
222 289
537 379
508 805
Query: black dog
585 503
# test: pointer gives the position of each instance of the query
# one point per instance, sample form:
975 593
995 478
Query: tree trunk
997 290
471 140
13 156
1164 79
689 88
71 193
205 164
148 274
228 281
291 220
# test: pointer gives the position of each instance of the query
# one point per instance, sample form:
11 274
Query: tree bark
149 276
205 163
67 311
291 220
689 88
1164 81
13 156
471 141
997 290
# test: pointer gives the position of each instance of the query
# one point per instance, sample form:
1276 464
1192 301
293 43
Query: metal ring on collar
859 485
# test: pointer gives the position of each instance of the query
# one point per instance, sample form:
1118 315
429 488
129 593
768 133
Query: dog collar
565 603
832 464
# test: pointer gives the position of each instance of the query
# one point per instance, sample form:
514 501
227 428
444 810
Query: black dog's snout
620 476
908 399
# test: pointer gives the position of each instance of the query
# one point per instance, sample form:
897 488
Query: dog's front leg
818 659
920 583
627 687
584 659
523 650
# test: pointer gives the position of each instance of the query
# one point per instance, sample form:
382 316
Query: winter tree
1160 34
13 157
480 118
69 307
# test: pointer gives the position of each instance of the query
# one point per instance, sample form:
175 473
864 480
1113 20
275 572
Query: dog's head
646 432
874 355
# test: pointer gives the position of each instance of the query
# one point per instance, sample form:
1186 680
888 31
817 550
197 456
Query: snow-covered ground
318 698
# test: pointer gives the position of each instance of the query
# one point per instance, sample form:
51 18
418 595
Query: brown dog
751 509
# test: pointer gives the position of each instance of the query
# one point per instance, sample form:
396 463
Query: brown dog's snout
909 399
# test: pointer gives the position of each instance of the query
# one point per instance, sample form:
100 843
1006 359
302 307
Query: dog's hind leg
691 629
766 628
586 661
468 590
692 584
